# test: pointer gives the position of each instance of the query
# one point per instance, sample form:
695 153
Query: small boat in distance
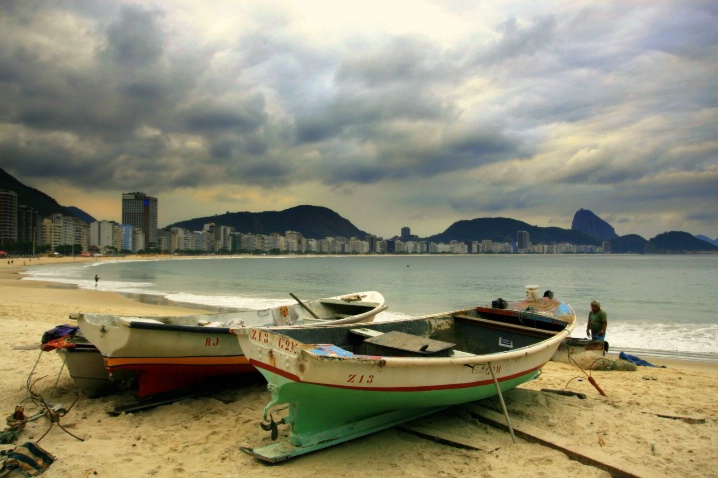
341 382
165 354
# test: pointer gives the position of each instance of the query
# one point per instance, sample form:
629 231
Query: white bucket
532 292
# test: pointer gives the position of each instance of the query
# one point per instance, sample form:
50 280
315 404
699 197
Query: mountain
31 197
501 229
319 222
677 242
80 214
707 239
588 223
629 244
313 222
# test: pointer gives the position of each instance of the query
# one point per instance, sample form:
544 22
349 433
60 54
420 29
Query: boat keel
284 450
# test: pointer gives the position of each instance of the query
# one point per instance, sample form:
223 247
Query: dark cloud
135 40
120 95
242 117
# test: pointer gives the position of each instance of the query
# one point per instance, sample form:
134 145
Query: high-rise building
140 211
405 234
29 224
8 216
522 241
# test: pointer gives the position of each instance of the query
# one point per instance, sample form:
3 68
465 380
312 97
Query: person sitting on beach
597 322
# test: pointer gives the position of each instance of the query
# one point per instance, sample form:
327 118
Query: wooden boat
572 347
83 360
87 369
340 382
170 353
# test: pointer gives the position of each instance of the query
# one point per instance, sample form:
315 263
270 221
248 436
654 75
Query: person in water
597 322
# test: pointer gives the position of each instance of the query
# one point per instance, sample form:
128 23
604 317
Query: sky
392 113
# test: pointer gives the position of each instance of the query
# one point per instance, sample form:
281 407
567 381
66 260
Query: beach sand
201 436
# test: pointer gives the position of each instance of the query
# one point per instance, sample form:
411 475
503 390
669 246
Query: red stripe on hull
427 388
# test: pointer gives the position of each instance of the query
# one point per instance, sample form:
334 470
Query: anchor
272 426
53 413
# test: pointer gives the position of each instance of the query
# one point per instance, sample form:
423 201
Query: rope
15 424
32 372
62 367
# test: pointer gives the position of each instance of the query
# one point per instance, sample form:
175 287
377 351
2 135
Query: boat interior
337 308
464 333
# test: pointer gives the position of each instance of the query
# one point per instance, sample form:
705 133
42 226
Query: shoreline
640 422
159 300
27 291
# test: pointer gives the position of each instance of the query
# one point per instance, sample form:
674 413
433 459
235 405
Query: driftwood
683 418
567 393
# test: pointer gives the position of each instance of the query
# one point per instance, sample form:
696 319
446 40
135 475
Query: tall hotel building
8 216
140 211
522 241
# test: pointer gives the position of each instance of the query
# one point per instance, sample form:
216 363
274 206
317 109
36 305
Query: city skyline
457 111
140 211
138 232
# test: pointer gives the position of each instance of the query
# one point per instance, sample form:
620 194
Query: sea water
657 305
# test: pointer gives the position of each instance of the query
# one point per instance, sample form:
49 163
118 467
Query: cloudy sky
392 113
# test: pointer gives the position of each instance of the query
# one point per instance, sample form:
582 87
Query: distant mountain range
311 221
707 239
587 229
319 222
501 229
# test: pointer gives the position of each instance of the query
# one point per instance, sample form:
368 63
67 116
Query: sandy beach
652 421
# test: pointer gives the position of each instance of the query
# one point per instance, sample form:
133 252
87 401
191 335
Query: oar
305 307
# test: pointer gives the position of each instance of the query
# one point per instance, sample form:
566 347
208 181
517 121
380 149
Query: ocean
657 305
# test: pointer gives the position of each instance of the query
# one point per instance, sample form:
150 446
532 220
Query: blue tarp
637 361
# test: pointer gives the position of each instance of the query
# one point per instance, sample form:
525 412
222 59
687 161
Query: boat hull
87 369
334 389
332 404
165 354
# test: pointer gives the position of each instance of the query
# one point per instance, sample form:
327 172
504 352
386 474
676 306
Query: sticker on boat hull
507 343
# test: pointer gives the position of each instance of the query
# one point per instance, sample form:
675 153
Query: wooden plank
439 436
507 326
583 454
365 332
410 343
27 347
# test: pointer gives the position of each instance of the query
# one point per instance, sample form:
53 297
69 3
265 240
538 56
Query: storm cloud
410 114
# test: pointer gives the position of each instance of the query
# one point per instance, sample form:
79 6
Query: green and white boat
336 383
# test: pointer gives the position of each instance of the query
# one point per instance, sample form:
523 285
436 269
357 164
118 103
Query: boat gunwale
395 361
196 329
